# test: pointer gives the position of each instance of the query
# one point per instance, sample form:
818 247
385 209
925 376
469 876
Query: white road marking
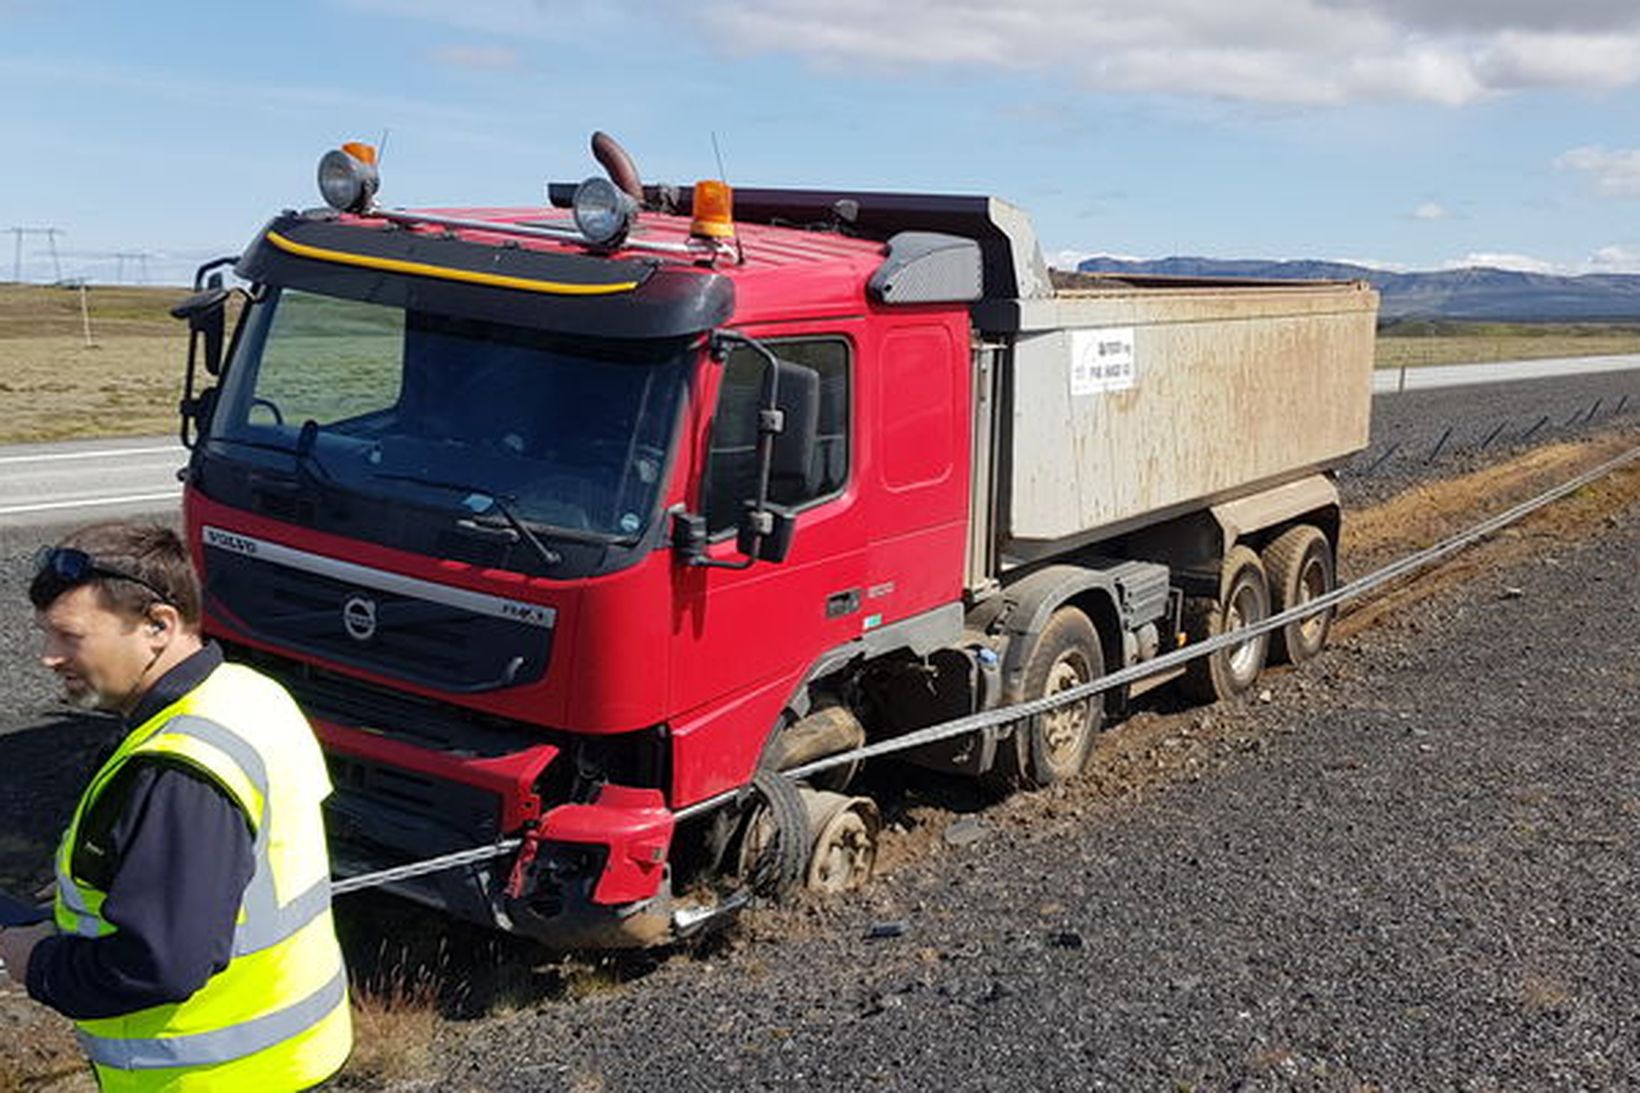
107 452
123 499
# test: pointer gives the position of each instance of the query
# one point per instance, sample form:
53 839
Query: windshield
453 413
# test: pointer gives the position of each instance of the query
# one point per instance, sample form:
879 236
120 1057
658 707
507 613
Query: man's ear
162 619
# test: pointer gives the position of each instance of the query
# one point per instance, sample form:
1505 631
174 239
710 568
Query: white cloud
1616 171
1292 51
1431 210
1069 259
1525 263
1615 259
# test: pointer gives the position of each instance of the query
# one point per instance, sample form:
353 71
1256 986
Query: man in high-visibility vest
191 940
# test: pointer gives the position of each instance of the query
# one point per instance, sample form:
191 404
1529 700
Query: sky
1406 134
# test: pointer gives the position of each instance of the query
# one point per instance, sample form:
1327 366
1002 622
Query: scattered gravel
1412 864
1487 423
1416 866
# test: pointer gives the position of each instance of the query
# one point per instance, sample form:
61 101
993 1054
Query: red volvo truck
575 523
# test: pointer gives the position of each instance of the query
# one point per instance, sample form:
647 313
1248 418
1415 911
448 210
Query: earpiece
156 628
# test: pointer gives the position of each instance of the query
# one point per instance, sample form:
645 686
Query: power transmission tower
138 256
51 235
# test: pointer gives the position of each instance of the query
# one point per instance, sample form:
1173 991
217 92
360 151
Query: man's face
100 656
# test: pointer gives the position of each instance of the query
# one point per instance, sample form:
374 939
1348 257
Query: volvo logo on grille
359 618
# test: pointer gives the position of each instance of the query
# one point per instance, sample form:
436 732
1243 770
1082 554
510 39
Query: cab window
731 474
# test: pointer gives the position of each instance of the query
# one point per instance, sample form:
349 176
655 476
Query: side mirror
207 316
766 534
196 415
689 535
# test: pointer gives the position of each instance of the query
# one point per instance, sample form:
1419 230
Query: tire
1244 599
1053 747
1300 567
771 849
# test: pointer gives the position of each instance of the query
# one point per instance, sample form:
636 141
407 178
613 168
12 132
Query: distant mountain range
1474 293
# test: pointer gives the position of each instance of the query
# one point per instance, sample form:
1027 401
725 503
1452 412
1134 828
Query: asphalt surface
88 479
1454 375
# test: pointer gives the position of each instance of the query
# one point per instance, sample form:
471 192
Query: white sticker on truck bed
1103 360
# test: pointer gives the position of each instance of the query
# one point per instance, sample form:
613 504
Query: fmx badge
1103 360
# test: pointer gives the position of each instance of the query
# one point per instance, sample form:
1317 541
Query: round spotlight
347 178
603 212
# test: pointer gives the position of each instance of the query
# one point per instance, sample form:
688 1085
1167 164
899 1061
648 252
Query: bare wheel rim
1245 607
1062 728
845 862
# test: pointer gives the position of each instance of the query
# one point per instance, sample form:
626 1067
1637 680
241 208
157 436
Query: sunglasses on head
70 566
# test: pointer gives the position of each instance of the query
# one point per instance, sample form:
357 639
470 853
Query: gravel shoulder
1412 865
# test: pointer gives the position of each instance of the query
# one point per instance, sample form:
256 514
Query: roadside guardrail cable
1006 715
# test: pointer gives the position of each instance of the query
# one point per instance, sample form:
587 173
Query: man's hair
149 552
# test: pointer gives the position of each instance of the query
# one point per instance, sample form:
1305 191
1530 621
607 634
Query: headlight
603 212
347 177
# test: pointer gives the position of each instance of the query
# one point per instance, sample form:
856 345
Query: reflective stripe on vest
87 923
222 1045
265 923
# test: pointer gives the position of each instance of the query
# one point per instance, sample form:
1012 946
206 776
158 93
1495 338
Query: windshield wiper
514 529
305 463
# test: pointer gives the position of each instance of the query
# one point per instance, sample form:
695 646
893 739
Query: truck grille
451 639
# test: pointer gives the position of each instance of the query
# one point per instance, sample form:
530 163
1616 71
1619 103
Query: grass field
127 380
1408 344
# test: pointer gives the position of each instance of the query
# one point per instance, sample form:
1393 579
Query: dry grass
56 386
396 1018
1511 343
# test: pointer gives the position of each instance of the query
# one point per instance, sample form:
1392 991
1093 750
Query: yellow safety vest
276 1018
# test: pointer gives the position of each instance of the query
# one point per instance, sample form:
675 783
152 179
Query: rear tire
1055 746
1299 564
1244 600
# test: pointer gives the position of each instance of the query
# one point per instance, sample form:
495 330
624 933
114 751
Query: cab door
745 638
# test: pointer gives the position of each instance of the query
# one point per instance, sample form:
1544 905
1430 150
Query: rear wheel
1056 745
1300 567
1244 600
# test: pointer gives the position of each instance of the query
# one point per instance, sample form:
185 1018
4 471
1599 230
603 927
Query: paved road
1462 375
85 479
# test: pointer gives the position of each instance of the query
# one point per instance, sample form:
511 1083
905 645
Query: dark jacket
174 853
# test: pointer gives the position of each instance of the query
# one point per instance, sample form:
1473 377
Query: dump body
1128 405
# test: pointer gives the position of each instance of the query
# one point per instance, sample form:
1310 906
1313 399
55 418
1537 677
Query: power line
51 235
139 256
